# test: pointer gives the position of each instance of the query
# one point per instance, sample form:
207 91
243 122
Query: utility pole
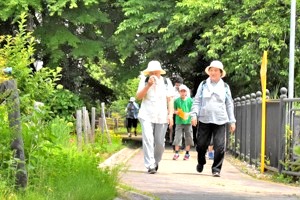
292 50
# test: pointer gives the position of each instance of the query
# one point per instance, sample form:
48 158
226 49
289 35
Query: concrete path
179 180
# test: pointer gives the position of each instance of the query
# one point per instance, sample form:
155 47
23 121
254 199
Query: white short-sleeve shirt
154 106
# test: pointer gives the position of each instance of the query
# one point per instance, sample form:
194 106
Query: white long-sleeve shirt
213 103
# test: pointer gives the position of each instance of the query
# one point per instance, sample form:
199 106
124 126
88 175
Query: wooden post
116 124
88 126
9 91
79 129
84 125
104 122
93 124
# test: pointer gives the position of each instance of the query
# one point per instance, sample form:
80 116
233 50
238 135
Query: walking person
156 112
182 108
213 108
132 110
178 81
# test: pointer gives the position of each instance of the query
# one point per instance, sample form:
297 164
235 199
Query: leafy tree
70 34
191 33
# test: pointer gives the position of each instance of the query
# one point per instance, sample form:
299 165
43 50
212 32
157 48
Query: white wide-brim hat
132 99
154 65
216 64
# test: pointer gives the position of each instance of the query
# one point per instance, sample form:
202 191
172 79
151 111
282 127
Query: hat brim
223 71
145 72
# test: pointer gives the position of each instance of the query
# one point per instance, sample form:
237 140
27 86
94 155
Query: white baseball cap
183 87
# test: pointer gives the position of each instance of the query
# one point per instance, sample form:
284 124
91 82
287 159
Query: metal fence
282 132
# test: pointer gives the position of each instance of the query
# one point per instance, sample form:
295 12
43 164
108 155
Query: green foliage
190 34
56 169
64 103
124 92
17 53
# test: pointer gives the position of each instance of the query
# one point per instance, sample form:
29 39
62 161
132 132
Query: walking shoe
216 174
151 171
156 168
199 168
129 134
176 156
135 133
186 157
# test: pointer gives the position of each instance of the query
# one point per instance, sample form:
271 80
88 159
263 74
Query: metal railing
282 132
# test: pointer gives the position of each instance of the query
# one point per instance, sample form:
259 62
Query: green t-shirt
186 106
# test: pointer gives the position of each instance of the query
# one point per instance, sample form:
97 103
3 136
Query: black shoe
156 168
199 168
135 133
152 171
216 174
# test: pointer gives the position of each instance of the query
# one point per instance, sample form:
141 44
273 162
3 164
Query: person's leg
203 138
129 125
134 125
171 135
172 131
210 150
159 141
148 143
177 140
219 147
188 130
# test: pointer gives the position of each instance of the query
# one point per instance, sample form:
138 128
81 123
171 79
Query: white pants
153 142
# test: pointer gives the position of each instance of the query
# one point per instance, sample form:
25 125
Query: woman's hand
194 121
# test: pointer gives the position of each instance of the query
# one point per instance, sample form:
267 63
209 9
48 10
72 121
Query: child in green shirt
182 107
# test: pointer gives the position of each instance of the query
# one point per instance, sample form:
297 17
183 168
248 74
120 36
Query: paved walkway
179 180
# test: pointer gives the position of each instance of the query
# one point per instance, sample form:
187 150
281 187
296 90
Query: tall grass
56 168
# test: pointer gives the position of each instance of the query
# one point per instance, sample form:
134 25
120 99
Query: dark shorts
131 123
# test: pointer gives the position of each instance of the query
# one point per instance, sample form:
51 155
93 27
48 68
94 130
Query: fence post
88 126
248 127
84 125
116 124
79 129
258 127
237 145
243 132
252 128
104 122
93 116
282 113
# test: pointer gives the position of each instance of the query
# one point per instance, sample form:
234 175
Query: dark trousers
204 134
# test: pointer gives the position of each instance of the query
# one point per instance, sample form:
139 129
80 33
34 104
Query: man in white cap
155 114
132 110
212 109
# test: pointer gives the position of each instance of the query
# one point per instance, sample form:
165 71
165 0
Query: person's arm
141 93
170 110
230 110
196 106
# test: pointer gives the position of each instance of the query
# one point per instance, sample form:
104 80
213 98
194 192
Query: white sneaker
129 134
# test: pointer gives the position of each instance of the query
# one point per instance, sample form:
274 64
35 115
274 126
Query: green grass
66 173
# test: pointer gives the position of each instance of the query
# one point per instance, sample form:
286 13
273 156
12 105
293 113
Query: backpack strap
202 86
225 85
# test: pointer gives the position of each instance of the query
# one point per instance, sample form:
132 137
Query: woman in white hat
212 109
156 112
